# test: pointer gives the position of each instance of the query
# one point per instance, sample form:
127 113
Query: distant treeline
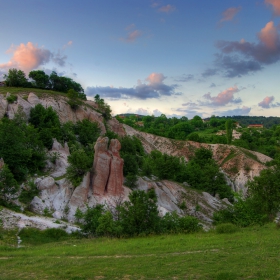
244 121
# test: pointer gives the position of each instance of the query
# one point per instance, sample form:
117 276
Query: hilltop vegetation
264 140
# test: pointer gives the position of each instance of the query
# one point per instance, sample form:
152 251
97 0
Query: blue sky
177 57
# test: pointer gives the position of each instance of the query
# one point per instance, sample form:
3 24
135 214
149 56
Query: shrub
80 163
243 213
91 219
28 194
189 224
11 98
8 185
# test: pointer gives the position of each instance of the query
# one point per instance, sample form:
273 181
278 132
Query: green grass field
37 91
252 253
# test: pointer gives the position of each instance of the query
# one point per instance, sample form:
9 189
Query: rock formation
108 168
115 181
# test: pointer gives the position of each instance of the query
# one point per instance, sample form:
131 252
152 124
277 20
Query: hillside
240 165
60 198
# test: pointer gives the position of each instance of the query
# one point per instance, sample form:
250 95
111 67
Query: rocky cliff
59 103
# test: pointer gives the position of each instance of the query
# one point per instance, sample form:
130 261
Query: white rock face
33 99
173 197
18 220
46 183
59 104
60 163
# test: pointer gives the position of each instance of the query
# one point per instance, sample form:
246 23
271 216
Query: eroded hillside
240 165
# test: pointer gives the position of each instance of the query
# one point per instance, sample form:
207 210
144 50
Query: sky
153 57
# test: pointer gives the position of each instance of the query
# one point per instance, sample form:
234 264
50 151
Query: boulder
116 127
59 154
33 99
79 197
46 183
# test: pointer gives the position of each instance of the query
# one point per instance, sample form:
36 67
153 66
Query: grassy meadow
251 253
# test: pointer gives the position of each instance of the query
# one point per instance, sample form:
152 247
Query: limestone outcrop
116 127
58 103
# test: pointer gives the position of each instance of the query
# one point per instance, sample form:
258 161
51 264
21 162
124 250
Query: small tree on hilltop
15 78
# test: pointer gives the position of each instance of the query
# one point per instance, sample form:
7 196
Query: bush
8 185
130 180
28 194
189 224
243 213
226 228
80 163
139 214
11 98
91 219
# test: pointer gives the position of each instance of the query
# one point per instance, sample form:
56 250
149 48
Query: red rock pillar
101 166
115 181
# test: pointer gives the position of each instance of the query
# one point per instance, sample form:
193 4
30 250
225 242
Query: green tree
47 122
8 185
15 78
197 122
74 100
91 219
41 79
21 148
64 84
139 214
103 107
106 225
87 131
265 191
79 163
203 173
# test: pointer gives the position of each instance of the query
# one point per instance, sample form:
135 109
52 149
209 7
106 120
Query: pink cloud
269 36
154 4
230 13
131 26
266 102
155 78
275 5
70 43
27 57
224 97
167 9
132 36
